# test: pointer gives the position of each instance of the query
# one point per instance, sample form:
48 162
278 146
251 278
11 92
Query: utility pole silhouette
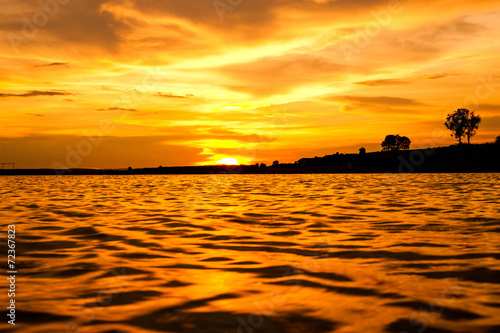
13 166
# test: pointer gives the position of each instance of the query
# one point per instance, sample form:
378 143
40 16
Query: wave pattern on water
256 253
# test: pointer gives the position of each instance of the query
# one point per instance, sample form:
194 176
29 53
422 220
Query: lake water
254 253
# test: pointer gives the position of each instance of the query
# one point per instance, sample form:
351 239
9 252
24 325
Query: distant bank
460 158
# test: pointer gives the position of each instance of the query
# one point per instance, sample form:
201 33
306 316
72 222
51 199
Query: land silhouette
395 143
395 157
456 158
463 123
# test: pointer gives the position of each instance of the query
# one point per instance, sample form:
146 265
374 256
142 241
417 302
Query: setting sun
228 161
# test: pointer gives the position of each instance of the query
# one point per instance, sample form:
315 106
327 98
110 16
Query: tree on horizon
497 140
462 123
395 143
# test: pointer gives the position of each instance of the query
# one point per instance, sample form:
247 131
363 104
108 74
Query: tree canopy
462 123
395 143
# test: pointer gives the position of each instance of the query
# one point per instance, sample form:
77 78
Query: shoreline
478 158
83 172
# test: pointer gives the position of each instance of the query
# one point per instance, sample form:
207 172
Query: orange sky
120 83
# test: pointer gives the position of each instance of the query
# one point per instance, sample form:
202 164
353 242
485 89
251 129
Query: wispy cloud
53 64
280 74
34 93
380 100
116 109
170 95
404 81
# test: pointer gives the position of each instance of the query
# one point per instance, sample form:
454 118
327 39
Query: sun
228 161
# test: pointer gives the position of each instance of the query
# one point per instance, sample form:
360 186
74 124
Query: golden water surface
254 253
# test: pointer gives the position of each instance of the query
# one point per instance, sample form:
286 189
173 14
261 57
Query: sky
142 83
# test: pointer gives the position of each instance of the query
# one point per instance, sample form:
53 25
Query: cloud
458 28
379 100
85 24
391 82
375 104
281 74
173 148
41 151
170 95
429 41
197 133
417 44
34 93
116 109
191 28
249 19
489 107
383 82
53 64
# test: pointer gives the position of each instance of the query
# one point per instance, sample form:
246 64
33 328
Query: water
255 253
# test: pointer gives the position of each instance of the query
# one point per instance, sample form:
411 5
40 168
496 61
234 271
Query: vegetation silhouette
395 143
462 123
395 157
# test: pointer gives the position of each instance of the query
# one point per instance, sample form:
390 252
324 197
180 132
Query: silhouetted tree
462 123
404 143
389 143
276 163
263 165
362 151
497 140
395 143
472 126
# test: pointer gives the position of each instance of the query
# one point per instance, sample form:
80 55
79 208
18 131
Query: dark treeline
395 157
457 158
